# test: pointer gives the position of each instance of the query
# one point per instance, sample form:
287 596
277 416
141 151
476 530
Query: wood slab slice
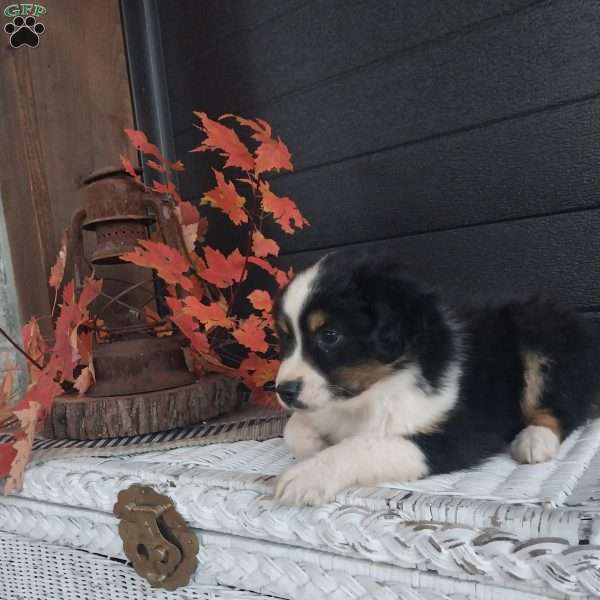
90 418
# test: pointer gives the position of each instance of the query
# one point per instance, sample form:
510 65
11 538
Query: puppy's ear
408 321
389 334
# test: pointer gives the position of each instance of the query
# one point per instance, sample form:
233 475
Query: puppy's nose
289 391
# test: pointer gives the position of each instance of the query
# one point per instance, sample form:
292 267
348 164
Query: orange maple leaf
84 381
210 315
284 210
188 326
72 314
188 213
223 271
251 334
280 276
156 166
28 419
6 384
168 188
35 346
140 142
260 370
168 262
261 300
225 197
7 456
57 272
225 141
271 154
262 246
129 169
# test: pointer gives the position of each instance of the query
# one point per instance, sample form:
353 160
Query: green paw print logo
25 29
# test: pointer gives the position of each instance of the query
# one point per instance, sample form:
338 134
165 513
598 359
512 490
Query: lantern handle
76 243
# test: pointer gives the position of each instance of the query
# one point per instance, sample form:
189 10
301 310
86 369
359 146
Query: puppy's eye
328 338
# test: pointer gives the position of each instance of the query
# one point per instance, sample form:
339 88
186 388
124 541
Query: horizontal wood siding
463 135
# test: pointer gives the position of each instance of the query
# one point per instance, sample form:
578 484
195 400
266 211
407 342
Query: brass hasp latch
156 539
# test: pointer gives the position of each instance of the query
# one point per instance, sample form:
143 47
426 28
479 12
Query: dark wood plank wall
463 135
63 107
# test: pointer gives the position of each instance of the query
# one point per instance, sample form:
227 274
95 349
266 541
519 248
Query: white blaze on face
295 367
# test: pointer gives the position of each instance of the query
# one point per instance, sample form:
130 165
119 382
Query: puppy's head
351 321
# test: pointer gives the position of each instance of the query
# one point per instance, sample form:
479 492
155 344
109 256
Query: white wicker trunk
501 531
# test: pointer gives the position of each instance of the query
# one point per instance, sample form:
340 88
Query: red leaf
226 198
284 210
281 277
260 370
210 315
177 166
189 213
155 166
225 141
271 154
188 326
35 346
28 419
57 272
251 334
168 188
261 300
220 270
7 382
140 142
7 456
168 263
129 169
91 290
84 381
262 246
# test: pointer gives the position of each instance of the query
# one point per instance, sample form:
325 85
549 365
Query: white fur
356 461
366 430
535 444
294 366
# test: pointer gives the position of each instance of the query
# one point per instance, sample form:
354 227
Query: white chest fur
401 404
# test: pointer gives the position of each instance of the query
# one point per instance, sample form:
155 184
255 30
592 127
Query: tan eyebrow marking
315 319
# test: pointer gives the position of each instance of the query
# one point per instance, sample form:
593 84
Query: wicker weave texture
37 571
487 559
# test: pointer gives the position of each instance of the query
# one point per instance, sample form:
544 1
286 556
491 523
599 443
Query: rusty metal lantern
142 382
131 359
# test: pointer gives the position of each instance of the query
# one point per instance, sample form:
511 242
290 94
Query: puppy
389 383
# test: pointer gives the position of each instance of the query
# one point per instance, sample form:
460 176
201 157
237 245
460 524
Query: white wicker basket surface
84 541
519 529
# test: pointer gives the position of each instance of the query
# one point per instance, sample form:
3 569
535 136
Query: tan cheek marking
316 319
533 412
360 377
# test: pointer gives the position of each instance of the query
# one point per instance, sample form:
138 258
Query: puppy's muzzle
288 392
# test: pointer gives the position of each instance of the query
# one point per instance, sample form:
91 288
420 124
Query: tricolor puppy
389 383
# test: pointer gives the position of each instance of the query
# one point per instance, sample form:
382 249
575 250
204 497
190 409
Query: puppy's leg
301 437
540 440
355 461
535 444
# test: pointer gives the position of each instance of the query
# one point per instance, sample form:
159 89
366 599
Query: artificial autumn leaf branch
210 314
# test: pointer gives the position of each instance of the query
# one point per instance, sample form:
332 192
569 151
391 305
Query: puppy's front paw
308 482
534 445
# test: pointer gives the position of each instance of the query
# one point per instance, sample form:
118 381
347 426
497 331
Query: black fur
384 315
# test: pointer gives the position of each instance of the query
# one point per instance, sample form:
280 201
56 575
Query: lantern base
90 418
